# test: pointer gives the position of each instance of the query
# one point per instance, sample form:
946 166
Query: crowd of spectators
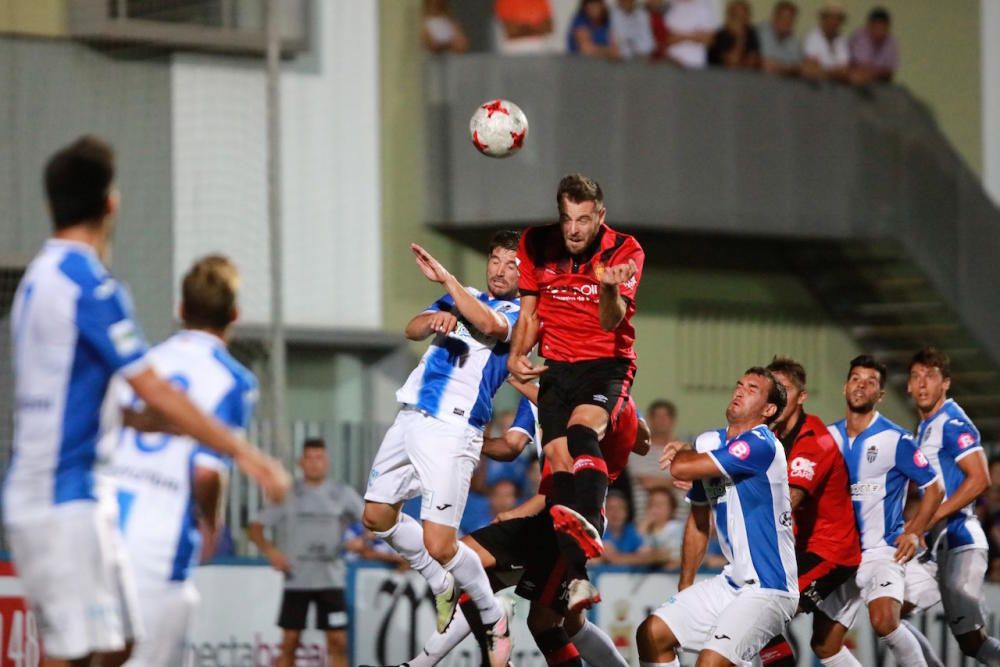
689 34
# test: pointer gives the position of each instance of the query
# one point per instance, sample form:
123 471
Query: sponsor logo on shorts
802 467
872 453
722 636
740 450
600 398
373 474
672 600
920 460
443 507
966 440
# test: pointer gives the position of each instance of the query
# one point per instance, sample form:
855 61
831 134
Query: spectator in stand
503 498
630 30
621 538
657 11
523 26
826 51
691 24
781 50
873 49
441 32
590 31
663 533
735 45
645 470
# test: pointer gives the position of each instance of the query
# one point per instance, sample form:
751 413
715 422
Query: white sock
844 658
441 644
673 663
989 652
407 538
471 578
905 647
596 648
925 645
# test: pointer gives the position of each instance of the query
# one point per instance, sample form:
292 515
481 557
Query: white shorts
422 455
734 622
77 579
879 576
961 576
167 611
922 584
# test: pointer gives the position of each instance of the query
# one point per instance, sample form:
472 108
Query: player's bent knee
442 545
653 636
378 517
709 658
884 618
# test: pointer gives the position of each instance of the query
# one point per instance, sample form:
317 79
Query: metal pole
279 418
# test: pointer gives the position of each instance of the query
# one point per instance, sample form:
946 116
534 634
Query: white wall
990 31
330 171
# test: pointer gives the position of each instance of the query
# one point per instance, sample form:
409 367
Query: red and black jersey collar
591 250
789 440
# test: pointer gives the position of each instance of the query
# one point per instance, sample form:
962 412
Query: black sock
557 649
590 472
471 612
563 488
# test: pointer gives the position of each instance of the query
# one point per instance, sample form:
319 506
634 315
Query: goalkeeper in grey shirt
310 526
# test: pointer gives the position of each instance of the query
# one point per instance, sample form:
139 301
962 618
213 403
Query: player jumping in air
171 490
578 283
950 441
73 329
742 476
434 445
882 459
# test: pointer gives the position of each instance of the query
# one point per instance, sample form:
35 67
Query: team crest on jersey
966 440
920 460
740 450
872 453
785 519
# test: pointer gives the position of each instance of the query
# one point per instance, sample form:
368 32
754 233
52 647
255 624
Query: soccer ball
498 128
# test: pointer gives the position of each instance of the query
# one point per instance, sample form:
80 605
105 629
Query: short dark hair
879 15
783 5
793 369
776 395
208 293
579 188
314 443
931 356
508 239
78 181
662 404
868 361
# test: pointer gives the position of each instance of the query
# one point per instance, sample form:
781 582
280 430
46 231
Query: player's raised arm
525 336
178 409
683 463
478 313
912 463
612 304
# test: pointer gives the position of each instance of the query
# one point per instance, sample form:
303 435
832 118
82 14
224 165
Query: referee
578 283
310 524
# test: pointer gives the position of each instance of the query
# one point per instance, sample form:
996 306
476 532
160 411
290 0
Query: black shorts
527 555
601 382
331 609
818 578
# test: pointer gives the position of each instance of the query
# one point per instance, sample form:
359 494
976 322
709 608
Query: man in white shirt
631 30
826 48
691 24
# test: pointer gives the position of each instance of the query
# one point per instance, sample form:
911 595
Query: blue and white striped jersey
752 506
72 328
153 472
945 438
880 462
460 373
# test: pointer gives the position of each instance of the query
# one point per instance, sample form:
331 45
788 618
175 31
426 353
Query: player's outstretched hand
443 323
683 486
268 472
432 269
669 452
906 547
523 370
619 274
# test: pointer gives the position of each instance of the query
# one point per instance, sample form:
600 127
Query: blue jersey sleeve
959 437
105 321
237 406
525 419
750 454
445 303
697 495
912 462
510 310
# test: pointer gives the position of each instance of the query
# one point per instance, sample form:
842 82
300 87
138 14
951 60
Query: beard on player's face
502 274
862 402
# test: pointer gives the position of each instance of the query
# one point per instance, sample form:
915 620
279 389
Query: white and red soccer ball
498 128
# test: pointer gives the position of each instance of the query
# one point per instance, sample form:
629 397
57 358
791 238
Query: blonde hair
208 293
